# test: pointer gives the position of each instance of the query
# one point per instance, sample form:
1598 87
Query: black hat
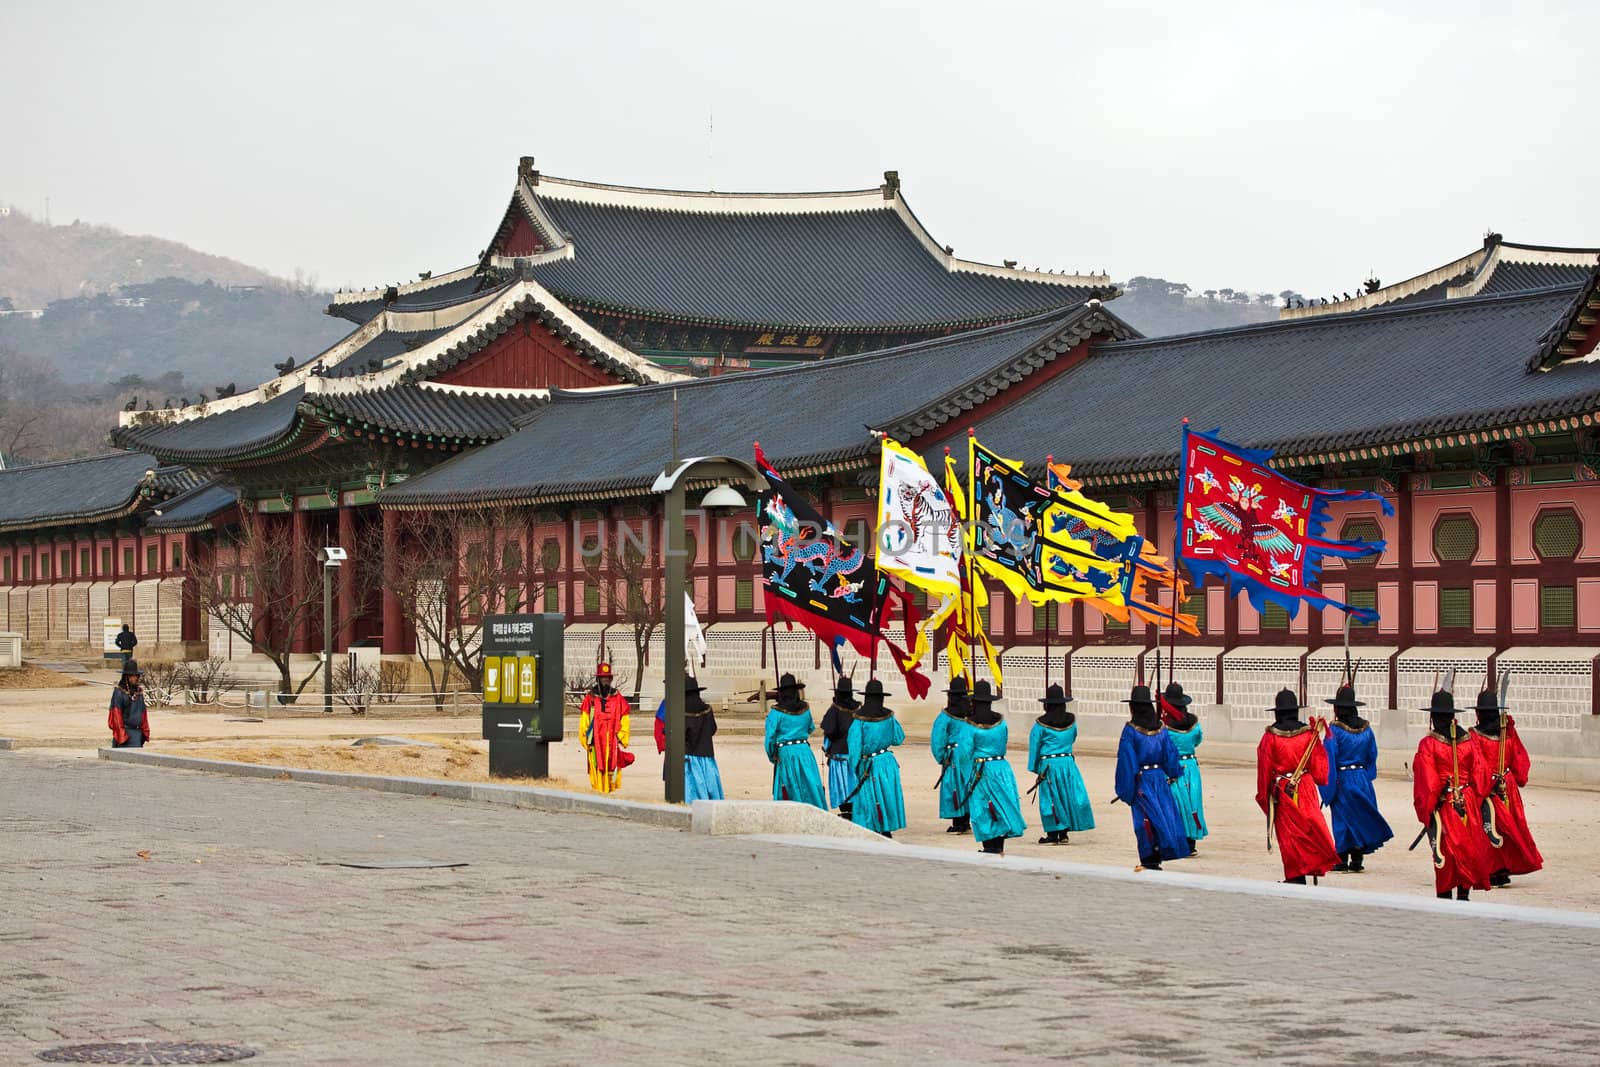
1173 694
1140 695
874 690
1055 696
787 682
1345 697
1443 703
981 694
958 686
1286 700
1488 700
842 689
131 667
692 686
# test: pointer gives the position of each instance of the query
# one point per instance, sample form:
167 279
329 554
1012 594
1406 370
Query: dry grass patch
451 759
32 676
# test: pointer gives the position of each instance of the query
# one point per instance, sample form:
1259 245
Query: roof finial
526 172
891 184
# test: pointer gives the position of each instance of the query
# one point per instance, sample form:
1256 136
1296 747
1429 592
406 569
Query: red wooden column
348 607
299 575
393 622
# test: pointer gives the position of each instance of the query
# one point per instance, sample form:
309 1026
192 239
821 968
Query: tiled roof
77 490
836 262
442 291
194 509
1511 277
807 417
1303 387
446 413
225 435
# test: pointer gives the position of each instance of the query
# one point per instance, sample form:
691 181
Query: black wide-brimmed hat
788 684
1286 700
958 686
842 688
1173 694
1345 697
981 694
690 685
1443 703
1055 697
1489 700
132 667
874 690
1140 695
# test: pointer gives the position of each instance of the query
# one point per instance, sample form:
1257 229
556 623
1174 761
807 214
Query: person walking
1449 780
836 745
787 740
129 719
993 806
126 642
880 801
1290 763
949 728
702 780
1147 764
1183 726
1063 799
1506 757
1359 828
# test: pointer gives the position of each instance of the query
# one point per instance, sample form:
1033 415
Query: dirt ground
1566 822
33 676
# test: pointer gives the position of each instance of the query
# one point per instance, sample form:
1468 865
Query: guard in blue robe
880 801
1184 728
1063 798
948 730
836 746
701 778
1147 762
1358 826
992 802
788 744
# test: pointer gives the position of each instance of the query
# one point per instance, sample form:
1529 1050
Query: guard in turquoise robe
1184 728
788 745
880 801
992 802
1147 761
1058 785
949 728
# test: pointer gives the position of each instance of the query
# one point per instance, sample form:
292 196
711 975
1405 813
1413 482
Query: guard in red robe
1502 751
603 728
1449 782
1290 763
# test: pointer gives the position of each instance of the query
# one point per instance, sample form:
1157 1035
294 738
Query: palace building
606 330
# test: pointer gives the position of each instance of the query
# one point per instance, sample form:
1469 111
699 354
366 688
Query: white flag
694 638
919 536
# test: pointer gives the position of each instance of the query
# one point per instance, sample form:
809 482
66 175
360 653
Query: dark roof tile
75 490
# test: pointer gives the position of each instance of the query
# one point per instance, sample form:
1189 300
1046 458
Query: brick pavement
576 939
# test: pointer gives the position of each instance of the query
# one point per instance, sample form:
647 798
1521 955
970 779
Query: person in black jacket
127 641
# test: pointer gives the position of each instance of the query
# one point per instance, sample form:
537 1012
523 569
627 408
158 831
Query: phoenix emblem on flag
1252 538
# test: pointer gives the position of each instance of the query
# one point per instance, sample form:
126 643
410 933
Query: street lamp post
332 558
672 483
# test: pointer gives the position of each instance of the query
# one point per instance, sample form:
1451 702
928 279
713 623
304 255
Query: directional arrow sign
510 725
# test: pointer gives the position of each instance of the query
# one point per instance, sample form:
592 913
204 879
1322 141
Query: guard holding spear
1449 782
1511 846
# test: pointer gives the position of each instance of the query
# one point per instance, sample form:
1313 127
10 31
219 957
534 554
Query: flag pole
1177 555
973 621
1049 474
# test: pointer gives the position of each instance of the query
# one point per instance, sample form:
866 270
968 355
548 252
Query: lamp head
724 497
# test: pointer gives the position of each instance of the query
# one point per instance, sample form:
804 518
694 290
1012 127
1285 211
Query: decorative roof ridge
361 296
952 263
705 202
155 466
810 367
482 390
1390 293
1431 307
1574 251
416 320
1529 255
518 297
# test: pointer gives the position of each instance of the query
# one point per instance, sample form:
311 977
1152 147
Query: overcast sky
1256 146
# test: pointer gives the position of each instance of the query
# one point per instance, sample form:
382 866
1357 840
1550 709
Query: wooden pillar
1502 559
393 620
348 608
299 576
1405 516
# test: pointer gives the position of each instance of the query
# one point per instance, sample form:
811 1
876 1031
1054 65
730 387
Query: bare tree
255 585
630 589
454 568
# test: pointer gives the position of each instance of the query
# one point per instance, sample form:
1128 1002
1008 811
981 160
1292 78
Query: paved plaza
573 939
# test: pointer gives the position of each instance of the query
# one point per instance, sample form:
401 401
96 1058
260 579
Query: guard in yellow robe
603 728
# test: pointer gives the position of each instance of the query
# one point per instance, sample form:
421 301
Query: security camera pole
331 558
673 482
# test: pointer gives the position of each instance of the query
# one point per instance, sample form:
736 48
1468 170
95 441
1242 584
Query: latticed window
746 539
5 570
1275 618
744 595
1362 598
983 614
513 601
27 568
1116 625
691 548
1558 606
552 597
105 561
177 558
591 598
550 554
1455 538
511 558
1557 534
1196 606
1045 617
855 533
1361 530
1455 608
